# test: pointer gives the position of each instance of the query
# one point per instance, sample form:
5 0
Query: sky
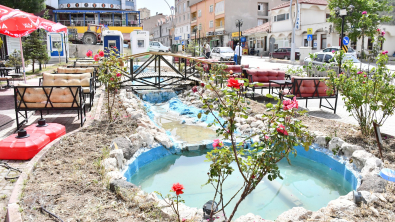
155 6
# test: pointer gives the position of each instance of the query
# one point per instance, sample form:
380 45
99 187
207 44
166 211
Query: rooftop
313 2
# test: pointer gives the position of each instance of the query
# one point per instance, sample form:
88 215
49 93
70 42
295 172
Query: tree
376 10
34 48
31 6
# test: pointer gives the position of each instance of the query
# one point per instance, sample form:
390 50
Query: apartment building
182 22
144 13
151 22
216 18
162 31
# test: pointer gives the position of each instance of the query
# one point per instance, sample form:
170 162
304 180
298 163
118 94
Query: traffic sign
346 40
309 31
345 48
309 37
182 43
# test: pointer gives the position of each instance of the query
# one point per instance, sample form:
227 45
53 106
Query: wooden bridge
158 78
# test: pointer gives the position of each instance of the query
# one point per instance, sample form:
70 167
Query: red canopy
16 23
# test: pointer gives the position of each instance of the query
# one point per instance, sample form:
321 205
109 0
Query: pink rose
194 89
363 82
281 130
101 53
382 33
384 52
359 72
364 76
177 187
364 12
119 74
378 30
96 57
217 143
89 53
333 51
267 137
111 79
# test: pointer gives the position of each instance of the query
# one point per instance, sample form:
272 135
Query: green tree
375 9
31 6
34 48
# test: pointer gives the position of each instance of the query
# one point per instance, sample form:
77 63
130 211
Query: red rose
119 74
202 84
177 187
281 129
194 89
96 57
233 83
101 53
89 53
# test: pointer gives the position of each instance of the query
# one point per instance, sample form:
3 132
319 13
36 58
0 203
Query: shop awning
95 11
264 28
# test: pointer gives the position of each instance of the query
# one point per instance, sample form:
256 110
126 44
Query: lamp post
239 23
199 39
343 13
194 48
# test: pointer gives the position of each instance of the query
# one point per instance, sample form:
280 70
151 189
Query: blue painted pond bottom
306 183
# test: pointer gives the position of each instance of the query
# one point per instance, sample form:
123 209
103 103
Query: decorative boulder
320 140
372 166
359 158
294 214
335 142
373 183
118 155
341 207
110 164
251 218
348 149
119 183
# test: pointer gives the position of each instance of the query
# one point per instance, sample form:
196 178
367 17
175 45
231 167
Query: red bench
262 77
312 88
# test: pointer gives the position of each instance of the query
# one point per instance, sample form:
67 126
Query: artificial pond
313 179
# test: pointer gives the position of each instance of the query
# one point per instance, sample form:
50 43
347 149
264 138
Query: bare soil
70 181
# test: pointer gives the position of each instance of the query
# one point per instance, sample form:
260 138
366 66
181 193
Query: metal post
194 48
199 43
131 70
155 63
238 60
185 64
341 44
293 30
159 70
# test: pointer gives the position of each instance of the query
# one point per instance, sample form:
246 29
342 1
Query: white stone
294 214
250 218
259 116
136 140
136 115
335 142
250 120
369 197
382 198
374 211
110 164
115 175
320 140
256 124
146 135
348 149
359 158
244 127
185 211
373 165
163 139
118 155
341 207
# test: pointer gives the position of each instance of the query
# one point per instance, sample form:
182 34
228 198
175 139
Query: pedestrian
207 50
238 52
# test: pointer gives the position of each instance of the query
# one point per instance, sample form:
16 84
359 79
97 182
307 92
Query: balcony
219 28
262 13
193 19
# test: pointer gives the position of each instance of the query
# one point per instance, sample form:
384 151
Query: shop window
314 42
370 44
323 41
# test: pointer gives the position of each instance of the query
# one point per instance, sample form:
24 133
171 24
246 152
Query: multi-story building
162 31
150 23
144 13
182 22
118 15
216 18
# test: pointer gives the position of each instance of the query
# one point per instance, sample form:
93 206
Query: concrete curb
13 213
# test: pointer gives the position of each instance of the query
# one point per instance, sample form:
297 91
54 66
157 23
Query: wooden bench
84 80
33 98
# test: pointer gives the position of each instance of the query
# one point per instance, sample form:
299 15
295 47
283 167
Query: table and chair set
7 75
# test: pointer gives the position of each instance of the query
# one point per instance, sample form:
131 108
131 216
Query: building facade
118 15
216 18
182 20
144 13
150 23
162 32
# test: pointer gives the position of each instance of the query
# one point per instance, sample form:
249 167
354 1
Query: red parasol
16 23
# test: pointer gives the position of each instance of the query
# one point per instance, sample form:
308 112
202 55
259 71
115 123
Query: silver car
222 53
322 58
337 48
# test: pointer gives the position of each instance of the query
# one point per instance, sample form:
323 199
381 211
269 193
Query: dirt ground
69 182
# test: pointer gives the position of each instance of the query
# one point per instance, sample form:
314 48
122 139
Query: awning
264 28
95 11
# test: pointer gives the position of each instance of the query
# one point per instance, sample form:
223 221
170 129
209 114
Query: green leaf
269 105
269 96
199 115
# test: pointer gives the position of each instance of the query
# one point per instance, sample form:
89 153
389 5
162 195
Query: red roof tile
261 28
313 2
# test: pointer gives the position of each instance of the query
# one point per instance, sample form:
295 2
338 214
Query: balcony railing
263 13
193 19
220 12
219 26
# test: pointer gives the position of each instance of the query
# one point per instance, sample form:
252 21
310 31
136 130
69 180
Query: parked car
283 53
326 57
222 53
158 47
337 48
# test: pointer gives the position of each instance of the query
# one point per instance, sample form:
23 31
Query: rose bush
173 201
274 141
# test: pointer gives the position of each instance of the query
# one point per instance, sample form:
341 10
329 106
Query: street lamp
199 39
239 23
293 24
194 48
343 13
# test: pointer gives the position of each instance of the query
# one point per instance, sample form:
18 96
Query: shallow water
188 133
306 184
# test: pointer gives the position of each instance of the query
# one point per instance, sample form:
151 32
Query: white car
222 53
337 48
158 47
325 57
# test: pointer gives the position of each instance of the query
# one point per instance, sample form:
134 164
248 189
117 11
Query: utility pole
293 28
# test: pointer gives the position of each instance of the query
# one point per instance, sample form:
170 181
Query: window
200 27
281 17
219 7
261 21
211 24
327 58
185 6
188 16
220 23
187 3
323 41
179 8
370 44
184 17
200 13
211 8
319 57
314 42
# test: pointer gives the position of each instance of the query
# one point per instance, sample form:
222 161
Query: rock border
13 214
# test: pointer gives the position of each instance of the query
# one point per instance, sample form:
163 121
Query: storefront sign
177 38
309 31
236 34
297 23
219 33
